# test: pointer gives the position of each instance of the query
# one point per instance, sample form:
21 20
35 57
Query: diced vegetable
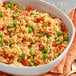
24 62
9 26
14 23
2 42
60 46
4 3
48 32
59 33
5 56
66 38
45 56
6 6
32 53
14 16
31 42
45 50
11 43
31 13
30 8
27 25
24 38
54 44
32 60
38 20
37 63
41 47
1 34
63 27
30 29
1 14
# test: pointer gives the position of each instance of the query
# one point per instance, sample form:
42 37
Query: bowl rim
66 49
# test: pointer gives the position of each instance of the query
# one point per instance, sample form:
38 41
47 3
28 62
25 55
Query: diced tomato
38 20
37 63
30 8
9 34
30 46
60 46
54 44
4 3
26 14
24 62
41 47
63 28
4 26
48 32
63 40
24 38
6 44
49 23
5 56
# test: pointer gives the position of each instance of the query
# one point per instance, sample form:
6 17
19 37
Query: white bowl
41 5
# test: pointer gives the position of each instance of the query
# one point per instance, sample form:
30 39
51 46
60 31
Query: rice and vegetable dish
29 37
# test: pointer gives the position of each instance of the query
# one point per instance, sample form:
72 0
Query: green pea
66 38
1 14
27 25
9 26
59 33
14 16
59 40
6 6
32 60
2 42
32 27
1 34
35 16
30 41
47 42
20 58
23 56
30 30
57 44
14 23
45 34
45 56
49 35
32 53
17 11
31 13
3 45
11 43
9 2
11 5
40 36
45 50
33 65
41 32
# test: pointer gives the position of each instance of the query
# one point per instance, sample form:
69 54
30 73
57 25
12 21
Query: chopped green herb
41 32
23 56
40 36
33 65
45 50
3 45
